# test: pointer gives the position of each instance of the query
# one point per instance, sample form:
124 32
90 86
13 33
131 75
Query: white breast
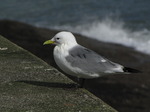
59 55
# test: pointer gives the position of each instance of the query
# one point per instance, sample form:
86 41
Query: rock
124 92
28 84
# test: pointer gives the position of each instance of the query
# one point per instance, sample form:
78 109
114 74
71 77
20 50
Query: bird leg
81 82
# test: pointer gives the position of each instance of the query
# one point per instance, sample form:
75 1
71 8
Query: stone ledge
28 84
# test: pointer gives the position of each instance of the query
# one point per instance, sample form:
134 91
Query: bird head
61 38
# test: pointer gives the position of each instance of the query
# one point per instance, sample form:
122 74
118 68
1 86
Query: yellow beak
48 42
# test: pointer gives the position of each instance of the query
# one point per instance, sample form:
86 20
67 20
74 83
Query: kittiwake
80 61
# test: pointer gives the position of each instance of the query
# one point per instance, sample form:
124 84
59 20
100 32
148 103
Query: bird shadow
49 84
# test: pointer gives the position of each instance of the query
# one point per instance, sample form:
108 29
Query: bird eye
57 38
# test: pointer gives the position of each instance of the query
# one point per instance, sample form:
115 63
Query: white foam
114 32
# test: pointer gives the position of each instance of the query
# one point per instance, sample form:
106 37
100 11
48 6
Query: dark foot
81 82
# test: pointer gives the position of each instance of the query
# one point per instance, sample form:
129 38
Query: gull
80 61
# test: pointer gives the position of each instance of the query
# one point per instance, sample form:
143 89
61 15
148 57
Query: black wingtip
131 70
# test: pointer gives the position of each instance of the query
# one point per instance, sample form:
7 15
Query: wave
109 30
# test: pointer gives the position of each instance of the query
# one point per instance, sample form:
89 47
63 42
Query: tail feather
130 70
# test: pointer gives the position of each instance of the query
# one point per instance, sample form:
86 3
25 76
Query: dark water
134 13
117 21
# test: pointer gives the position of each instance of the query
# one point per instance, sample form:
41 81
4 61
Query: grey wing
89 61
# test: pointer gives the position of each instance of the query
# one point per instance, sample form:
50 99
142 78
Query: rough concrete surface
125 93
28 84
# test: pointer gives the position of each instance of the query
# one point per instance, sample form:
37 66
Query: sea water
117 21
